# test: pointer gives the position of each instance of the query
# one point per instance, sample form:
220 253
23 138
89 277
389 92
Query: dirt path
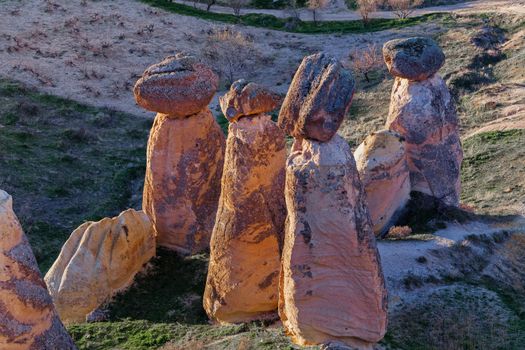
93 53
347 15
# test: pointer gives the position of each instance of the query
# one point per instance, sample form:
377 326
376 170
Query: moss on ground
492 172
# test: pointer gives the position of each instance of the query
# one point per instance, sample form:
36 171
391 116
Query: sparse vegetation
307 27
404 8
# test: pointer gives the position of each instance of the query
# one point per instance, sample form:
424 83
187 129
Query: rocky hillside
453 282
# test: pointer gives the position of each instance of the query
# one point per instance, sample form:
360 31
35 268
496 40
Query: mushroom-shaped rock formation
383 170
185 153
178 86
98 260
28 319
318 99
414 58
424 114
331 286
245 248
245 98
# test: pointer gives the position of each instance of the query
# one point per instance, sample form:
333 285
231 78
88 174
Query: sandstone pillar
185 152
383 170
422 111
243 273
331 282
28 319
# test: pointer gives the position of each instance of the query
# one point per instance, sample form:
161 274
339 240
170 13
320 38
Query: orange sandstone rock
331 284
99 259
28 320
246 98
243 272
182 185
178 86
425 115
383 170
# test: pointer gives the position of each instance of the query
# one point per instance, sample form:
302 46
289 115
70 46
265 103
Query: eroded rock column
383 170
28 319
245 250
98 260
185 152
331 282
422 111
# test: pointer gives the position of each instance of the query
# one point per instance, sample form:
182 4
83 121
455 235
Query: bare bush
316 5
230 52
237 5
404 8
366 60
366 7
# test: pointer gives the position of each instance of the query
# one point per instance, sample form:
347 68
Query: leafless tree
366 60
366 7
231 53
404 8
316 5
209 4
237 5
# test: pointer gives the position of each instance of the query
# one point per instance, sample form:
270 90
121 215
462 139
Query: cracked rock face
179 86
185 152
28 319
414 58
425 115
183 180
383 170
243 272
246 98
318 99
331 283
99 259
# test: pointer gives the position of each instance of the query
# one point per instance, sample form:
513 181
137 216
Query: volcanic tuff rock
99 259
246 242
414 58
185 153
331 284
318 99
383 169
245 98
28 320
183 175
425 115
179 86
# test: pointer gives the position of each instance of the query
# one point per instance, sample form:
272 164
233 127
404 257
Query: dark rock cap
318 99
178 86
246 98
414 58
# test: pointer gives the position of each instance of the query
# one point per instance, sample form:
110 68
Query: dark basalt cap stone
414 58
318 99
245 99
179 86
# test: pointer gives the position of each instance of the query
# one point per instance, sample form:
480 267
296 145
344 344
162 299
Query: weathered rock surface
183 175
424 114
413 58
246 98
383 170
243 273
331 284
179 86
318 99
28 319
99 259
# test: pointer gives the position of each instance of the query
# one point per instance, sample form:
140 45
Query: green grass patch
65 163
492 171
287 24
